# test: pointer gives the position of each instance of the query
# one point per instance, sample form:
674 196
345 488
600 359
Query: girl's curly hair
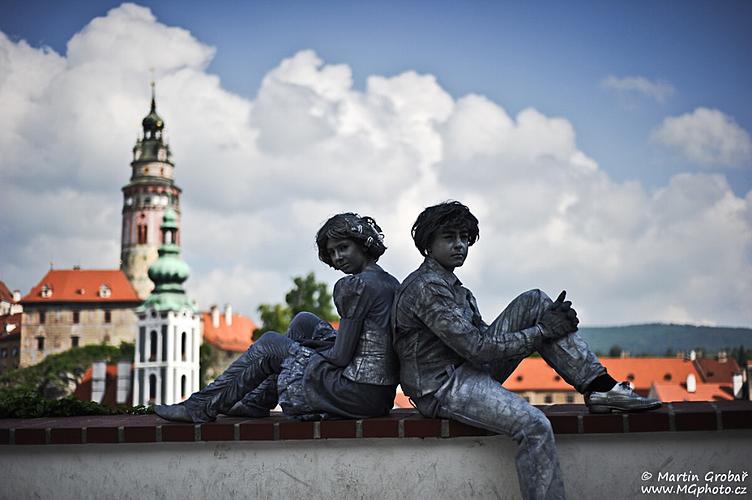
350 226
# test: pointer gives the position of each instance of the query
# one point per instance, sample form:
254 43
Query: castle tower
145 198
166 365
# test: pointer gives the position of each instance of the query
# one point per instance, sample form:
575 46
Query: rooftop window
46 291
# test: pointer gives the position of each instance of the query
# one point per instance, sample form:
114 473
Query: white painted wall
605 466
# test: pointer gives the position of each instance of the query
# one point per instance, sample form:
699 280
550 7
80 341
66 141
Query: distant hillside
656 339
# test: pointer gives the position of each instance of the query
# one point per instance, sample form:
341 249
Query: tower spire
153 97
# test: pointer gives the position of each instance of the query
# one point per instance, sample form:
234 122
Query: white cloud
638 85
707 137
260 175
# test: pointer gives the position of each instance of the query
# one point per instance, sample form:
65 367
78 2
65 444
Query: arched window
184 346
153 345
152 388
183 387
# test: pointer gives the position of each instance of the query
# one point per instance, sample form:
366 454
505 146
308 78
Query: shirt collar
433 265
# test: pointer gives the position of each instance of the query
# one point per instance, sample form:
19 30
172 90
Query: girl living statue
314 371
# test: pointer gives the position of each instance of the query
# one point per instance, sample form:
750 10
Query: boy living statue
452 362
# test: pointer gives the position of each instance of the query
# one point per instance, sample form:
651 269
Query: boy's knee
538 425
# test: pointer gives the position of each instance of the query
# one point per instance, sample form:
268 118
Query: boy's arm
437 309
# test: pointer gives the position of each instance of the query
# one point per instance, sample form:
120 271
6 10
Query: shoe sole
616 409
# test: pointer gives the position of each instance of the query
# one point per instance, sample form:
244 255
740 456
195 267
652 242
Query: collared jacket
437 327
364 302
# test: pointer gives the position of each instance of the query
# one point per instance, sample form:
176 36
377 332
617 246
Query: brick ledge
565 419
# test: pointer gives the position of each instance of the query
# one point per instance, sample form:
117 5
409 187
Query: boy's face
449 248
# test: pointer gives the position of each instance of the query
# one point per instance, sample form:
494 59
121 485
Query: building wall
160 367
10 352
612 466
59 328
552 397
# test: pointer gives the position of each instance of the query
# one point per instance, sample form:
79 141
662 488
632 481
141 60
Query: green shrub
22 391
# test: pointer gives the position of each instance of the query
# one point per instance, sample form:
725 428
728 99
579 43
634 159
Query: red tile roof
713 370
533 374
236 337
83 285
5 294
703 392
402 401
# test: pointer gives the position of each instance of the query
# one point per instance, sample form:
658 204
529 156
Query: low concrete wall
595 466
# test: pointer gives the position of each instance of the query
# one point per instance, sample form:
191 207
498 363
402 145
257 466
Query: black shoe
175 413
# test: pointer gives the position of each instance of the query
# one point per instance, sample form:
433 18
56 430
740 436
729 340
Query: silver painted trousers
474 395
252 377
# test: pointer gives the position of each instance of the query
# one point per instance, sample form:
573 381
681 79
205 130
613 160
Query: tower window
107 316
141 230
42 317
183 346
548 399
153 345
76 317
40 343
74 341
183 386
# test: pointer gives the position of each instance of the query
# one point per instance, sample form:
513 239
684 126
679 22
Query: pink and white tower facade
149 193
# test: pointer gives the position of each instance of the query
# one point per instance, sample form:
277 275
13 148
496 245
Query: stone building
75 307
10 328
166 364
149 193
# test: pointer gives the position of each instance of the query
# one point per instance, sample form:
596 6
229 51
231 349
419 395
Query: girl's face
347 256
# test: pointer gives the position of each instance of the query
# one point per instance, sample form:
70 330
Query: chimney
228 314
722 357
691 384
214 316
737 383
16 295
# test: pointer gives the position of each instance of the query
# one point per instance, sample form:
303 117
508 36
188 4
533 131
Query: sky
605 147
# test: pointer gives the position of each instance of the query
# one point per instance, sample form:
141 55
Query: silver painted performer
315 372
453 363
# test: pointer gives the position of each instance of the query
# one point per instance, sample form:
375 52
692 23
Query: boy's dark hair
451 215
349 226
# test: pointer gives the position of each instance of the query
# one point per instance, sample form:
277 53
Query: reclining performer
314 371
452 363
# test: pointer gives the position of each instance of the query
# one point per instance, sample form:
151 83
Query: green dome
169 268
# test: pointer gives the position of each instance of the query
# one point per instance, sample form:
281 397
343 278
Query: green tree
312 296
307 294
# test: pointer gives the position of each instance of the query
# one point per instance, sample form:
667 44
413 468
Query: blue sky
630 120
551 55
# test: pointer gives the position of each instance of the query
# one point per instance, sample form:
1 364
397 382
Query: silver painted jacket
437 327
364 303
